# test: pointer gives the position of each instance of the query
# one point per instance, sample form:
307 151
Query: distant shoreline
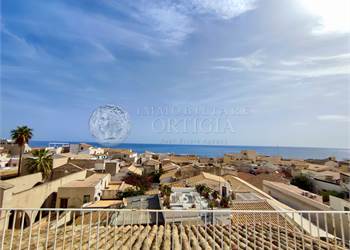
220 150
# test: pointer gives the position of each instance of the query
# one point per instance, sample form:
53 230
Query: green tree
128 192
200 188
155 176
211 204
166 202
41 162
224 202
302 182
215 194
166 190
206 192
21 135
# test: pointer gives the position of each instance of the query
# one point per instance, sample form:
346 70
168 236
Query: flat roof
78 156
317 167
335 175
118 186
294 189
91 181
5 185
105 203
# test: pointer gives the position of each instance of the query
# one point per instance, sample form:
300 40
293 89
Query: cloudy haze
277 71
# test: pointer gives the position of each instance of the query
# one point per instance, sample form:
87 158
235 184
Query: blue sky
276 72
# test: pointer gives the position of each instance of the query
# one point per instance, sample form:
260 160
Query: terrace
96 228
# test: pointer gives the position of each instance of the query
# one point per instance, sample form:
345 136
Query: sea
219 151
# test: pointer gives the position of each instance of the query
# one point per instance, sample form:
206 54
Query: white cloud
334 117
313 60
227 68
303 67
307 73
250 61
331 16
225 9
172 22
289 63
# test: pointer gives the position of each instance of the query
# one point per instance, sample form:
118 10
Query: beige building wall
23 195
25 182
35 197
85 163
75 196
59 161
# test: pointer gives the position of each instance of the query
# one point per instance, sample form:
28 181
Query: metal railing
173 229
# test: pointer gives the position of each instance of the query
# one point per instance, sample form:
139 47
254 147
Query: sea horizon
295 152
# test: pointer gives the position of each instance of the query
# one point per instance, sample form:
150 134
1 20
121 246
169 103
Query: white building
186 198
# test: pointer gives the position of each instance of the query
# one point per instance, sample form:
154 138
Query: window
64 203
346 209
86 198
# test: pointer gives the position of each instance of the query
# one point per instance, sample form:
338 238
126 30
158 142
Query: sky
229 72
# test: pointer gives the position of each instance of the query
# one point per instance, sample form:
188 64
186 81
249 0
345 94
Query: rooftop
257 180
105 204
328 174
208 176
98 231
186 198
91 181
345 173
118 186
168 174
317 167
135 170
78 156
295 190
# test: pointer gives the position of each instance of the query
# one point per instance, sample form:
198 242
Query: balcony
173 229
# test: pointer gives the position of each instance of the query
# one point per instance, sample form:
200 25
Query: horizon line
208 145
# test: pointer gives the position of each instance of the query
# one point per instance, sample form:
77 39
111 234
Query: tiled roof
249 217
244 205
135 170
171 236
205 176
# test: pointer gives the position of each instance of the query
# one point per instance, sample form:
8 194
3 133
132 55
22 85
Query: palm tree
41 162
21 135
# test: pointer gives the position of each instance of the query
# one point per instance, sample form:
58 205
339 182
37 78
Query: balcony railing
173 229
